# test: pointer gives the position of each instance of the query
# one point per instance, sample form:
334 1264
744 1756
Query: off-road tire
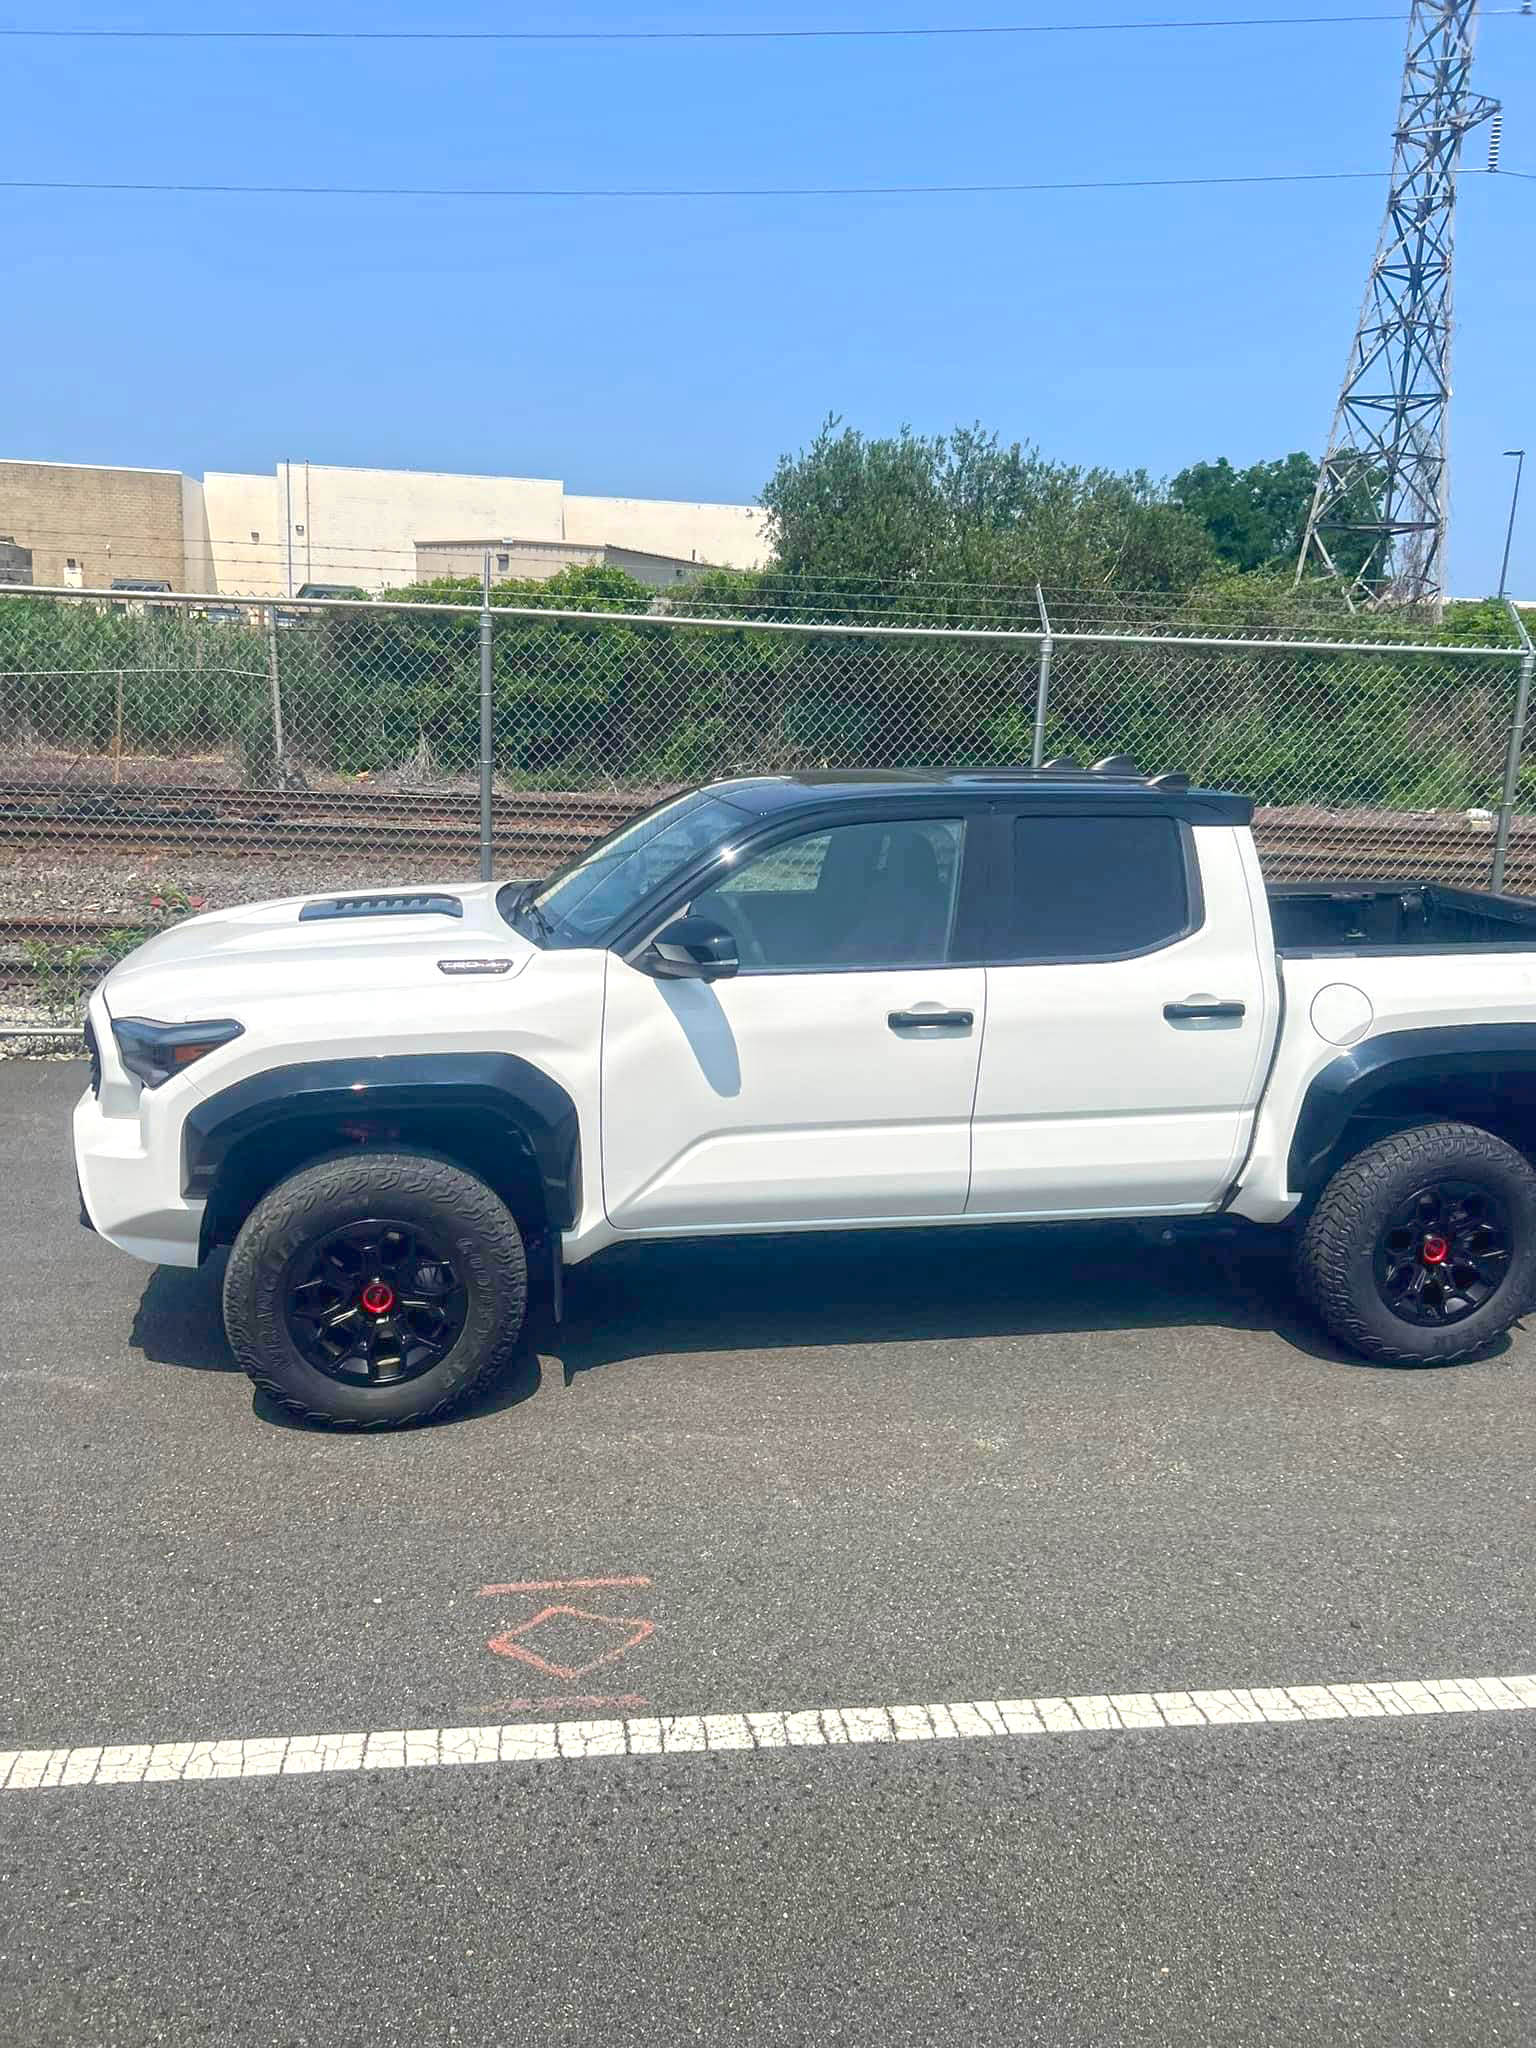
488 1252
1335 1260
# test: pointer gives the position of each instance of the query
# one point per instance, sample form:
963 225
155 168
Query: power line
689 35
710 191
685 191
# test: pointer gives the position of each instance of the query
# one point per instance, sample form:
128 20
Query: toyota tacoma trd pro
817 1002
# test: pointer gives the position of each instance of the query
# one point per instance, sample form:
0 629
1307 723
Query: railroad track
538 829
533 821
531 844
29 803
1289 854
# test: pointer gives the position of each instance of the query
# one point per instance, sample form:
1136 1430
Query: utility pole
487 727
1514 506
1378 521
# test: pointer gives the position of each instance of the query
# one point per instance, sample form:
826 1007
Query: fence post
1516 749
487 724
274 677
1043 687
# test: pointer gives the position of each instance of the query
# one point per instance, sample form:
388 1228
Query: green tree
850 508
1477 622
854 513
1254 517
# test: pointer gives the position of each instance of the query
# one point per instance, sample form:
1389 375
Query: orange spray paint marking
508 1645
561 1585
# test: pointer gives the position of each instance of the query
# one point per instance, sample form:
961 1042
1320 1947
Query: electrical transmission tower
1378 519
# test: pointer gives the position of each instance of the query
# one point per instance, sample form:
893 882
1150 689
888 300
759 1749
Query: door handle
931 1020
1194 1008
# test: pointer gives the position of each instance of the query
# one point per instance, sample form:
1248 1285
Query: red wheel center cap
378 1298
1436 1251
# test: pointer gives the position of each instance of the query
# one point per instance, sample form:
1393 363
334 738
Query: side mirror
691 949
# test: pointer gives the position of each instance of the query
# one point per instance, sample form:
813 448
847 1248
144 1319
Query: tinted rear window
1088 888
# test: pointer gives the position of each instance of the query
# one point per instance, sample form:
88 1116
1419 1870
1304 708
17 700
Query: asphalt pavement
770 1475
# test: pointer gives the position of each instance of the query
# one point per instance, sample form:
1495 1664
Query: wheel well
495 1149
1502 1102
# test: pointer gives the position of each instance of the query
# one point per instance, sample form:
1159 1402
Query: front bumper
127 1195
128 1169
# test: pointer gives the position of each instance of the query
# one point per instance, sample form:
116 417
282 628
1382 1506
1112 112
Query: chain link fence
163 754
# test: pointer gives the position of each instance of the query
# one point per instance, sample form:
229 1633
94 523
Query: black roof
1113 784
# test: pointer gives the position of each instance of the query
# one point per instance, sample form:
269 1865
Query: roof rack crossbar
1113 768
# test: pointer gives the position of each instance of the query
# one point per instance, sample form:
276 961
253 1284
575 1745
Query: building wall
107 522
264 536
511 560
662 572
197 555
362 525
535 561
246 542
729 536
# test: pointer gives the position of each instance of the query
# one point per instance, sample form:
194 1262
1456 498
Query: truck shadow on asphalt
881 1287
848 1288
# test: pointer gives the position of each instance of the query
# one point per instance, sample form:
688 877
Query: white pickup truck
817 1002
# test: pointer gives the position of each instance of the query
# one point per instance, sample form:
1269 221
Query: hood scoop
397 905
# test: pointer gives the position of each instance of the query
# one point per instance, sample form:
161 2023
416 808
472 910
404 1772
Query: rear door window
1097 888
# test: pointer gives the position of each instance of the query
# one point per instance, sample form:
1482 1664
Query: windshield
575 907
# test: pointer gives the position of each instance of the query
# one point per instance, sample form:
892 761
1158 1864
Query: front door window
846 899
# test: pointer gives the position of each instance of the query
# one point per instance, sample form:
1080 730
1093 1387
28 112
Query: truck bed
1354 917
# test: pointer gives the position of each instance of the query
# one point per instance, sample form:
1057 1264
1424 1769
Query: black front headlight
153 1052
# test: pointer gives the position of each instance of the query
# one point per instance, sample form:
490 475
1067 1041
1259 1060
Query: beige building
535 561
86 527
267 536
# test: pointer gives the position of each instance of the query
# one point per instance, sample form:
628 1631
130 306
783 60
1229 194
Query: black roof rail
1113 768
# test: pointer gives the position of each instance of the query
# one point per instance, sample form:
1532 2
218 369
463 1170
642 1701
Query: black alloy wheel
1443 1253
1421 1249
375 1303
375 1289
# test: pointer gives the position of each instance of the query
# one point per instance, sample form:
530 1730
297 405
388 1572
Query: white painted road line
270 1756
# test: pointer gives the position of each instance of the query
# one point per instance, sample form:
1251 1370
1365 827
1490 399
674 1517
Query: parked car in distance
818 1002
284 615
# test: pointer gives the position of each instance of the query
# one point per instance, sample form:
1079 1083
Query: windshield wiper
524 901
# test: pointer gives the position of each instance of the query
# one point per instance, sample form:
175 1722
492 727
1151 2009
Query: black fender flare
1351 1083
498 1086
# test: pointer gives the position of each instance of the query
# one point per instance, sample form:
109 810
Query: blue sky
672 348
